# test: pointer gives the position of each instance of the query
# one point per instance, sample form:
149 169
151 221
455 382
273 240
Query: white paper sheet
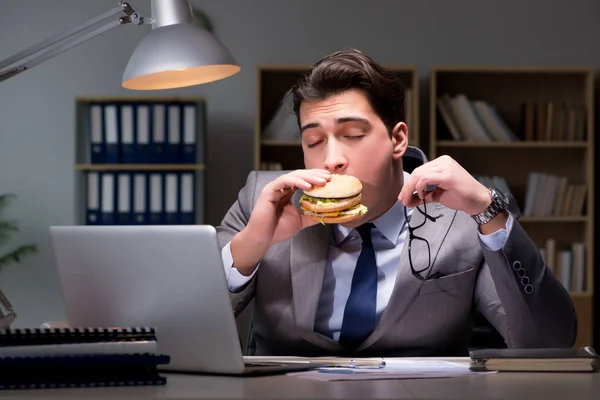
395 369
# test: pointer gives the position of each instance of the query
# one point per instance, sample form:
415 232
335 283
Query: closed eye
313 144
355 137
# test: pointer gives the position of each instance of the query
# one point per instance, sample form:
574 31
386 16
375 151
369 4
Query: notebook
72 341
532 360
79 357
81 371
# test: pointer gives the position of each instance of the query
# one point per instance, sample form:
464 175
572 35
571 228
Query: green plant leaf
15 256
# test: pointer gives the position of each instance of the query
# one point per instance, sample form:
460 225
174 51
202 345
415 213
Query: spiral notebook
79 357
71 341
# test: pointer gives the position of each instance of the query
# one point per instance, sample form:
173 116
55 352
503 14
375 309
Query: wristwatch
499 203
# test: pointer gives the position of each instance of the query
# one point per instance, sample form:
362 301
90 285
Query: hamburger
337 202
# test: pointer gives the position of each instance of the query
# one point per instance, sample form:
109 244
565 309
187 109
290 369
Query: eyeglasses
417 243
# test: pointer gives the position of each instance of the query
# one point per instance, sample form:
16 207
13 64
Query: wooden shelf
521 98
139 167
513 145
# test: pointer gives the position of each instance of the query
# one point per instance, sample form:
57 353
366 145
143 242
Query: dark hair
351 69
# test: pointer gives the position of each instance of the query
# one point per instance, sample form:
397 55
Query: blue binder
107 198
193 132
140 207
174 134
124 198
96 133
159 133
111 133
156 198
127 132
92 183
143 132
187 196
172 198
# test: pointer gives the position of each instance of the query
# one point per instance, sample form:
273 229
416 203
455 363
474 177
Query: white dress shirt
388 239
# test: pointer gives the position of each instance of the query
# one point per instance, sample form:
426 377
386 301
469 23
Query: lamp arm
131 16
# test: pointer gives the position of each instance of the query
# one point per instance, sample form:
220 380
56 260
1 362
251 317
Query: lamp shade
177 55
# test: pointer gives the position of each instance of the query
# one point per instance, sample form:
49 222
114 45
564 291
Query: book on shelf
473 120
567 263
553 121
553 195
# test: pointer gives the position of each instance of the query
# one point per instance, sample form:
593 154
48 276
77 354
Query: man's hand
455 187
274 219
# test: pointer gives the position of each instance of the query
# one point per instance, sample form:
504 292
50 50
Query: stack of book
79 357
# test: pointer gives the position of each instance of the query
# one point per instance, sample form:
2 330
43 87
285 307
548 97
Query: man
438 255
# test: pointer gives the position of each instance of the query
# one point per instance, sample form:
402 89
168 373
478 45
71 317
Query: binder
140 198
187 211
92 198
96 129
107 195
172 198
124 198
159 128
142 136
111 133
173 153
156 198
190 121
127 134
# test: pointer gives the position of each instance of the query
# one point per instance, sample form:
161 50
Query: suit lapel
308 260
407 286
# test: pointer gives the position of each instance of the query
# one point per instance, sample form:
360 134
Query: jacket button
517 265
528 288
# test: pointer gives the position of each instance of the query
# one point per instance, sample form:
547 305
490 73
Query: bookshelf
530 129
273 81
151 150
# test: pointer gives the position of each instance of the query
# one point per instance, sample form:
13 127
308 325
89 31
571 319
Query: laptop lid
167 277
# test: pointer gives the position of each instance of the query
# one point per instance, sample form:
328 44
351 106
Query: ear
399 140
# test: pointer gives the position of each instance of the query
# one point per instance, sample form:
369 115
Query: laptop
165 276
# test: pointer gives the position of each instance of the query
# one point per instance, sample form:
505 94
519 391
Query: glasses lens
419 254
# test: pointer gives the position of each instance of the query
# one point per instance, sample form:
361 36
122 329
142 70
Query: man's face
344 135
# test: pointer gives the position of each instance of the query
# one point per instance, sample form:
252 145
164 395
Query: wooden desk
513 386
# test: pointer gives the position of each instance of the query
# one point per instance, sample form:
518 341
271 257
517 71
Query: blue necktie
359 314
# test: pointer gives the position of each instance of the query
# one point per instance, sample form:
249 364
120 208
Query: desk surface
547 386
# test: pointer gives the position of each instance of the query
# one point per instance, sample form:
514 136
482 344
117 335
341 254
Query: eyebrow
338 121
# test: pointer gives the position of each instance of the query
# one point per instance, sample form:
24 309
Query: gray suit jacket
430 317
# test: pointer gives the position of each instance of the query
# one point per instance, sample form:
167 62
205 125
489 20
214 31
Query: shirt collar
389 223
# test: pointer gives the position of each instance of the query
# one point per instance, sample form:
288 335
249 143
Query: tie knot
365 232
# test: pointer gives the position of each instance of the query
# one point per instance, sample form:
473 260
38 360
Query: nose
335 162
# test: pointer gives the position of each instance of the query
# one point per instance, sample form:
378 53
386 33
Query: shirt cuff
495 241
235 280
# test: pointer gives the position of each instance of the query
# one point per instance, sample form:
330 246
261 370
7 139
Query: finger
316 177
290 181
419 185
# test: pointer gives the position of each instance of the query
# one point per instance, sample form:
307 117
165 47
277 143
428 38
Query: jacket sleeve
234 221
520 296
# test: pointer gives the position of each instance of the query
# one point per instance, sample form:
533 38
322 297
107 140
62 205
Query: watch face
501 195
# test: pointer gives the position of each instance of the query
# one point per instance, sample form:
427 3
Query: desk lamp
177 52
